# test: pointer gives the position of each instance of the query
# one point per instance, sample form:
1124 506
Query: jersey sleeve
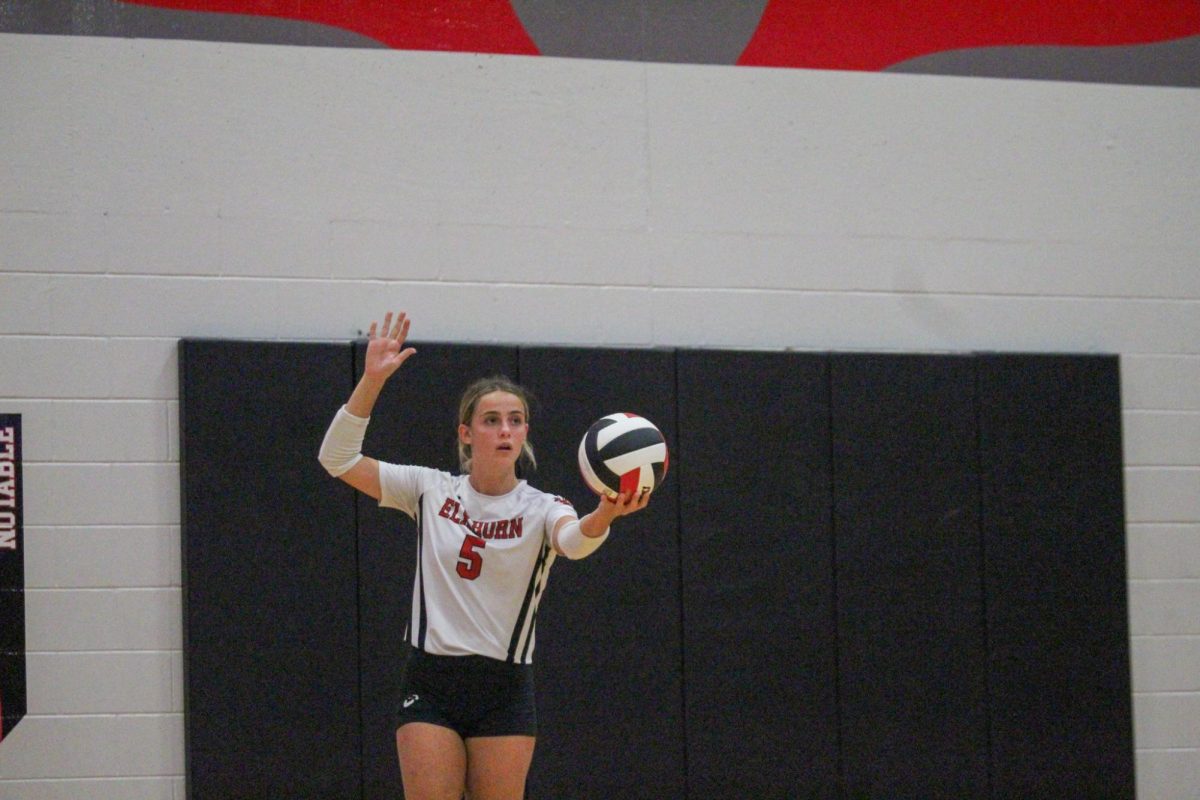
401 486
558 508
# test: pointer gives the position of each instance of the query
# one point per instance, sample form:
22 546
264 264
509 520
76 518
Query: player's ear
464 434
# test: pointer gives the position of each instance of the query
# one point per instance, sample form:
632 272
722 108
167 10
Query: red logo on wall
1119 41
875 34
482 26
854 34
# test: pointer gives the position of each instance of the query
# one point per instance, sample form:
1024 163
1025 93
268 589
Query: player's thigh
497 766
433 761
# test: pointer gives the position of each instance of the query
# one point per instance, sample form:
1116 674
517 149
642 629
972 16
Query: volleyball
622 453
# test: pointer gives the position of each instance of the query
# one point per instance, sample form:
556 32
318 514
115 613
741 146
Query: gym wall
868 575
155 189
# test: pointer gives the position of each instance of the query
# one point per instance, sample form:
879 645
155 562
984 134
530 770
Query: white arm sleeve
572 543
342 447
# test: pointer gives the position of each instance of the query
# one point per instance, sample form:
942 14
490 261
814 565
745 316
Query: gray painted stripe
708 32
1174 63
110 18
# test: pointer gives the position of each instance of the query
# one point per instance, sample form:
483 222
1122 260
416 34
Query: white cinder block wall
151 190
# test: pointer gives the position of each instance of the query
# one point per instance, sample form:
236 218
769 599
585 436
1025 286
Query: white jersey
482 561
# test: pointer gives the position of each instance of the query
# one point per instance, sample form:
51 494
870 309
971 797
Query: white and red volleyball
623 453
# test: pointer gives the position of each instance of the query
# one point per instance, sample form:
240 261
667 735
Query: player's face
498 428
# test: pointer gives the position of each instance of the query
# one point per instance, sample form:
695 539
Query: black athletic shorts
473 695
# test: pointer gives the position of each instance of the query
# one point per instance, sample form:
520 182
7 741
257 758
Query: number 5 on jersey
470 562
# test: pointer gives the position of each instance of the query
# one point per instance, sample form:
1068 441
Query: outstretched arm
341 450
579 538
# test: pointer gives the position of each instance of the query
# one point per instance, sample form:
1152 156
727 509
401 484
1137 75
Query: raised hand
386 351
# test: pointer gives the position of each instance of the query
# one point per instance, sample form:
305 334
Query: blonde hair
466 411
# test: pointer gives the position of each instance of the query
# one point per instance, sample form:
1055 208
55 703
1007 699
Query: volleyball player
466 721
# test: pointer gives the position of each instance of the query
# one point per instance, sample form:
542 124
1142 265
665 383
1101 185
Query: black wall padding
270 650
866 576
758 605
911 642
414 422
608 631
1057 613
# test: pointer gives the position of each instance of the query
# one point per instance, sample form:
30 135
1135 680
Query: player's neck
493 483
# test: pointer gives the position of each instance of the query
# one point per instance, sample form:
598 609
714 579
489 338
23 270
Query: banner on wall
1148 42
12 577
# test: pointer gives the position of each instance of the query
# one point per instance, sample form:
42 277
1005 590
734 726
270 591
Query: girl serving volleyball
466 721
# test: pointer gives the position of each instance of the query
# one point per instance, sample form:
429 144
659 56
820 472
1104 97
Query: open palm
386 351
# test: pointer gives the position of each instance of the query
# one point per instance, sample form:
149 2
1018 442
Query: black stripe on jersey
422 620
533 622
531 597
